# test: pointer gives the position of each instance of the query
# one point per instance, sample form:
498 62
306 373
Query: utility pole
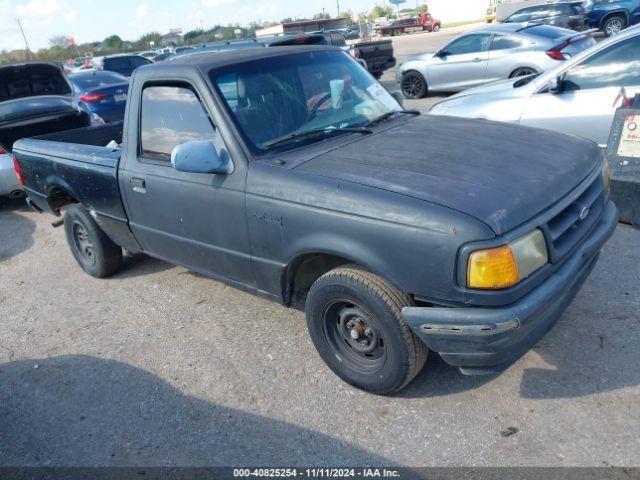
338 3
25 37
204 41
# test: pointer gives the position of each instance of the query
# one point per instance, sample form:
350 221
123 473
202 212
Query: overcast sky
89 20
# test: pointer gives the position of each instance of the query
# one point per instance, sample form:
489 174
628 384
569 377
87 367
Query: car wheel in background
355 322
614 25
93 250
413 85
435 28
522 72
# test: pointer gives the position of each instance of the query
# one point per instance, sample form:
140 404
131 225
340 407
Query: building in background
303 26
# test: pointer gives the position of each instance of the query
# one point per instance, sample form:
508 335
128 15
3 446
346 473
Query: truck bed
76 164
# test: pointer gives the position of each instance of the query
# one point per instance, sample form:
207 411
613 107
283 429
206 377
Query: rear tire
614 25
93 250
414 85
355 322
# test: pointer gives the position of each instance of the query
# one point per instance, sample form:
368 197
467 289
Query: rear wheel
93 250
355 322
522 72
413 85
614 25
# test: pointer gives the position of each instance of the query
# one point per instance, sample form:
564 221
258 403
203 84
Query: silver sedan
491 53
578 97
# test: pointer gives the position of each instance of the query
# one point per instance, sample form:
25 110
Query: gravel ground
162 366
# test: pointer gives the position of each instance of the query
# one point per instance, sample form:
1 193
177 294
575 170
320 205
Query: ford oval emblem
584 213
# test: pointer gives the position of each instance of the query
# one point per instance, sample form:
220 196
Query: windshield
286 95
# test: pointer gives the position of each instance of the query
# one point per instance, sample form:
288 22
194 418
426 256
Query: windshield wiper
315 131
390 114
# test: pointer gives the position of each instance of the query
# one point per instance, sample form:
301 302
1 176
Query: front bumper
488 340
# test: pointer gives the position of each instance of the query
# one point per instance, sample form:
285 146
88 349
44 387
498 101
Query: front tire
436 28
522 72
614 25
93 250
355 322
413 85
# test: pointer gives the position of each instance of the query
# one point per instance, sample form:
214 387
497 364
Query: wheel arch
306 267
615 13
60 194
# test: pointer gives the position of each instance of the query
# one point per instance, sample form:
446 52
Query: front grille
569 227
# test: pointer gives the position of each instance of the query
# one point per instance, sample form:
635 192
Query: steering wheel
314 110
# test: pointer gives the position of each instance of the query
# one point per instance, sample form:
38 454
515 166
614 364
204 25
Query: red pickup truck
411 25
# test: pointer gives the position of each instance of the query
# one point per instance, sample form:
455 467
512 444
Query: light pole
338 4
24 36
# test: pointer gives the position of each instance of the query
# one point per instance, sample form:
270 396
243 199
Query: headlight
505 266
606 178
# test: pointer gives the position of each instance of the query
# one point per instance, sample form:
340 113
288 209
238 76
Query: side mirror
398 97
442 53
200 156
555 84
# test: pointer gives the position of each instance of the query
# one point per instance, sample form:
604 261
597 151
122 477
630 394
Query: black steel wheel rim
83 243
412 85
354 335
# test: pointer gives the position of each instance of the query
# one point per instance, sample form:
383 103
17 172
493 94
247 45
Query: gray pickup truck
292 173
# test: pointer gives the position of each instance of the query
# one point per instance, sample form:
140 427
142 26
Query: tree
379 11
113 42
145 40
59 41
321 16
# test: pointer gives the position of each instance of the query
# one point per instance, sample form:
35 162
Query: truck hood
498 173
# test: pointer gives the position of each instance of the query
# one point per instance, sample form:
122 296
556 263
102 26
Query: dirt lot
161 366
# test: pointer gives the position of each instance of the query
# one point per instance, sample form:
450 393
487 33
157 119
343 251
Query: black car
122 64
570 15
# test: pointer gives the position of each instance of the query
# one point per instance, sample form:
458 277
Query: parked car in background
612 16
101 92
490 16
579 96
571 15
491 53
35 98
292 173
124 63
376 56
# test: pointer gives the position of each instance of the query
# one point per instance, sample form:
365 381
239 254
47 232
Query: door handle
477 60
138 185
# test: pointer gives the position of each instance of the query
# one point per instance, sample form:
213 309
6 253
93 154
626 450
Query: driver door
586 104
462 65
193 219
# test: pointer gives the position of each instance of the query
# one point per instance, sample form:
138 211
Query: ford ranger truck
292 173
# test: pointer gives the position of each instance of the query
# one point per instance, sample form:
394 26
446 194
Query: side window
501 42
469 44
171 115
138 61
116 63
616 66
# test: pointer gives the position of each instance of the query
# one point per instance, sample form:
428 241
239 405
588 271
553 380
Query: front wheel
355 322
436 28
93 250
614 25
413 85
522 72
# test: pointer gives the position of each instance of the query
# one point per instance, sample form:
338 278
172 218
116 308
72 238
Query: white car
578 97
9 184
